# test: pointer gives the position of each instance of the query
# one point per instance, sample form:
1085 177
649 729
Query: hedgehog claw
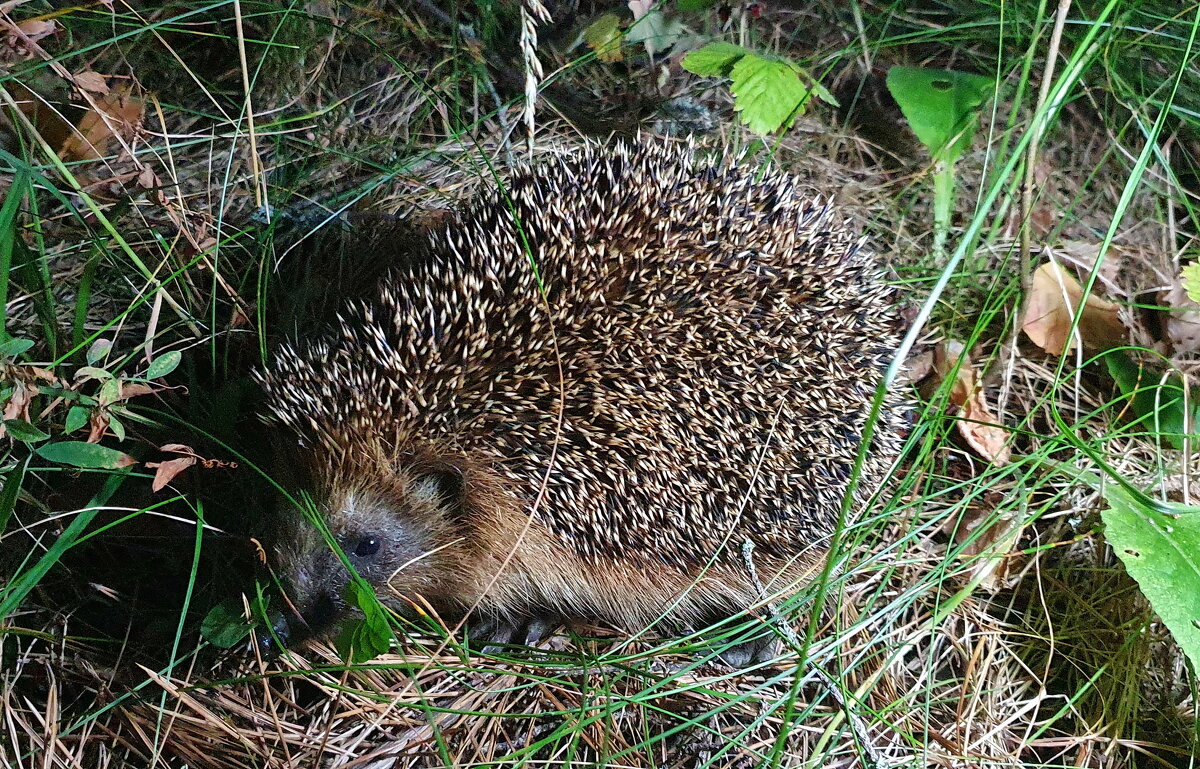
756 651
495 633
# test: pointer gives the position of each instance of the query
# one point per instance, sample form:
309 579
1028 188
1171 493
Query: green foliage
163 364
85 455
365 639
226 625
1159 544
769 92
1159 403
1191 281
942 107
23 431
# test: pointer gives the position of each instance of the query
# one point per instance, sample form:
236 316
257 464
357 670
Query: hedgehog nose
321 613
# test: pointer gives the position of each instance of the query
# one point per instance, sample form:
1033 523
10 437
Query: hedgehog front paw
492 634
756 651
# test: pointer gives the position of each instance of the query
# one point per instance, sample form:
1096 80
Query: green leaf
98 350
164 364
714 59
12 487
110 392
77 417
115 425
1152 401
767 92
23 431
940 106
225 625
364 640
1161 550
1191 281
14 347
91 372
604 37
86 455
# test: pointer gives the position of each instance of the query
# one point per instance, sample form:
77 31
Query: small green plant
769 92
1160 404
1159 543
942 108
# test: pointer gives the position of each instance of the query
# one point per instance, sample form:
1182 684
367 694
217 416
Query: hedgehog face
389 533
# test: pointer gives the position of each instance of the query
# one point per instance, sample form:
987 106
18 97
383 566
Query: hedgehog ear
444 486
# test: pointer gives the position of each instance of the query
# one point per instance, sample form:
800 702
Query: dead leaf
117 114
978 426
178 448
90 81
18 403
98 425
134 389
167 470
1053 298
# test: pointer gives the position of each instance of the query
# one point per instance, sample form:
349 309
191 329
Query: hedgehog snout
314 591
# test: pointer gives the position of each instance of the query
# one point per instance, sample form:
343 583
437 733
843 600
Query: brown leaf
167 470
117 113
91 81
978 426
1053 298
178 448
134 389
98 425
18 404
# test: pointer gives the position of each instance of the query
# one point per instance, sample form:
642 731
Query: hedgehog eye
366 547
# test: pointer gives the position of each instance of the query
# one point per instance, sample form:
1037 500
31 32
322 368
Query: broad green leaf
86 455
225 625
714 59
164 364
1154 402
1161 550
768 93
77 417
98 350
941 106
23 431
604 37
115 425
1191 281
14 347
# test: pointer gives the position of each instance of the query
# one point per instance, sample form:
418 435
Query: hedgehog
628 386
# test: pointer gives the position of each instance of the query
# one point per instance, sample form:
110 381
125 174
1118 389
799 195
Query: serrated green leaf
225 625
713 60
1152 401
768 93
1191 281
604 37
98 350
14 347
1161 550
86 455
77 417
23 431
941 106
655 31
164 364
